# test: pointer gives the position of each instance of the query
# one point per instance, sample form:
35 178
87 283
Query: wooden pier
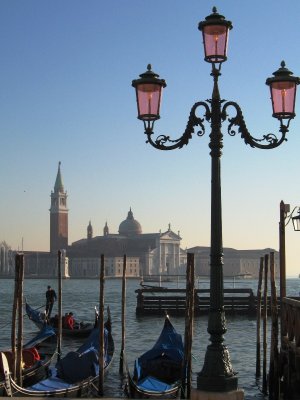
157 300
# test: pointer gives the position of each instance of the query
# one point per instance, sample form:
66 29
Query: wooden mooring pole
274 380
20 319
265 315
260 277
101 330
189 323
121 366
59 333
14 318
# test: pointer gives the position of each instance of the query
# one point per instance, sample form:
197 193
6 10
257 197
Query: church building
157 253
146 253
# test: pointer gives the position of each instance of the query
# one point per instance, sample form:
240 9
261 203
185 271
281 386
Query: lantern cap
214 19
149 77
283 74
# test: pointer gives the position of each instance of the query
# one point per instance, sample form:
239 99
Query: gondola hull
136 392
158 372
81 329
39 369
58 385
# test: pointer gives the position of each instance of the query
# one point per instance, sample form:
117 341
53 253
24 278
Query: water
81 296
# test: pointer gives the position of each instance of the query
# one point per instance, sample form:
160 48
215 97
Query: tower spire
105 230
90 231
58 186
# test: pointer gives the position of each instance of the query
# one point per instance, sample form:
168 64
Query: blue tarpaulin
44 334
168 344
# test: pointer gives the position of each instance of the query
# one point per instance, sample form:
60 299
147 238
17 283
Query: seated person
54 321
64 321
69 321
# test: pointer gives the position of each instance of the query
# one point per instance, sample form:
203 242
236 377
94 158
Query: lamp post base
202 395
217 374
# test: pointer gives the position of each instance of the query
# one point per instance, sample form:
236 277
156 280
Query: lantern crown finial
215 18
283 73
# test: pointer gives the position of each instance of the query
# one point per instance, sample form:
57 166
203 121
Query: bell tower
58 216
90 231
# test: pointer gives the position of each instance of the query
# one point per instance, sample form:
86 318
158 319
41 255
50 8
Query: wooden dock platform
157 300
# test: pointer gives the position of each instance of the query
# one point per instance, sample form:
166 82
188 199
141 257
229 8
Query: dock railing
157 300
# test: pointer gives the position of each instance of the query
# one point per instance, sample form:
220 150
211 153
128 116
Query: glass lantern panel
283 96
148 96
296 223
215 42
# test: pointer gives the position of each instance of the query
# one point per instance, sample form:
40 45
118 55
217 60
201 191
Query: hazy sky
65 95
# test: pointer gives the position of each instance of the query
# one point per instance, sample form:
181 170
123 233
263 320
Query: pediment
169 235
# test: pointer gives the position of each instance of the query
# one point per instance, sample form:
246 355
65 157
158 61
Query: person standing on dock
50 299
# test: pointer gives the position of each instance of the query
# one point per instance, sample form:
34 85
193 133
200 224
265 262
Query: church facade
146 254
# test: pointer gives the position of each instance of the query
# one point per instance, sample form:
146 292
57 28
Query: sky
65 95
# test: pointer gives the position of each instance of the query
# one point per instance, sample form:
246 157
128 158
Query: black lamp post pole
217 374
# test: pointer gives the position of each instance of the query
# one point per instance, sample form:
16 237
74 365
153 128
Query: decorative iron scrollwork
161 142
269 141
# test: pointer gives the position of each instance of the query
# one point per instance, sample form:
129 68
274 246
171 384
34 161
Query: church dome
130 226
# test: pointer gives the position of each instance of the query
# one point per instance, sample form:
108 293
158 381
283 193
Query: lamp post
217 373
285 217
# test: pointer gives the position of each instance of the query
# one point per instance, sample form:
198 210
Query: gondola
158 372
75 374
37 355
81 329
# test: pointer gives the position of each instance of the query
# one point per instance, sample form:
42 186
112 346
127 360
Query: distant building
243 263
89 267
43 264
158 253
147 254
6 260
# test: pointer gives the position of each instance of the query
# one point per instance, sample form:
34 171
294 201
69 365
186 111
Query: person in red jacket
69 321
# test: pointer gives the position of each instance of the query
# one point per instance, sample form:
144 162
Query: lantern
215 30
148 94
283 92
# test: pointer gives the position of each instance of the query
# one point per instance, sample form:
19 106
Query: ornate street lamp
217 373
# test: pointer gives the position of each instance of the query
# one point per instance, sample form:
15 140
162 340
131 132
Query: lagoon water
82 295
